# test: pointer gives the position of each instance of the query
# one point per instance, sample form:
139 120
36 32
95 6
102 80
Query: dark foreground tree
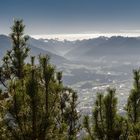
70 114
14 60
133 107
34 109
107 123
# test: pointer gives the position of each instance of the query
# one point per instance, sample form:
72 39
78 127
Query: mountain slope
5 44
113 46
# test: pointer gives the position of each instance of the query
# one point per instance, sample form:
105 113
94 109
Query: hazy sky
71 16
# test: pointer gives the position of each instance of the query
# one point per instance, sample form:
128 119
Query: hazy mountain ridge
37 47
60 47
101 46
56 46
113 46
79 50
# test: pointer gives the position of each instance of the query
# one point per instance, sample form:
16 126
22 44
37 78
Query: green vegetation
35 105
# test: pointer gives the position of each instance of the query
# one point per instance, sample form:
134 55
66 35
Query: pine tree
29 116
20 50
133 104
34 110
70 113
35 115
133 107
13 62
107 124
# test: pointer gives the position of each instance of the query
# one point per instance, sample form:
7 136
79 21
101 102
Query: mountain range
79 50
36 47
115 46
101 46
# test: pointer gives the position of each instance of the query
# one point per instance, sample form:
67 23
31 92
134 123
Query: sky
49 17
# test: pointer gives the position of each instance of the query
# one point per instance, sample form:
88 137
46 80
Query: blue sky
71 16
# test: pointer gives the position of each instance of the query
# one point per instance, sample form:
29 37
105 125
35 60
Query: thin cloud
73 37
130 31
